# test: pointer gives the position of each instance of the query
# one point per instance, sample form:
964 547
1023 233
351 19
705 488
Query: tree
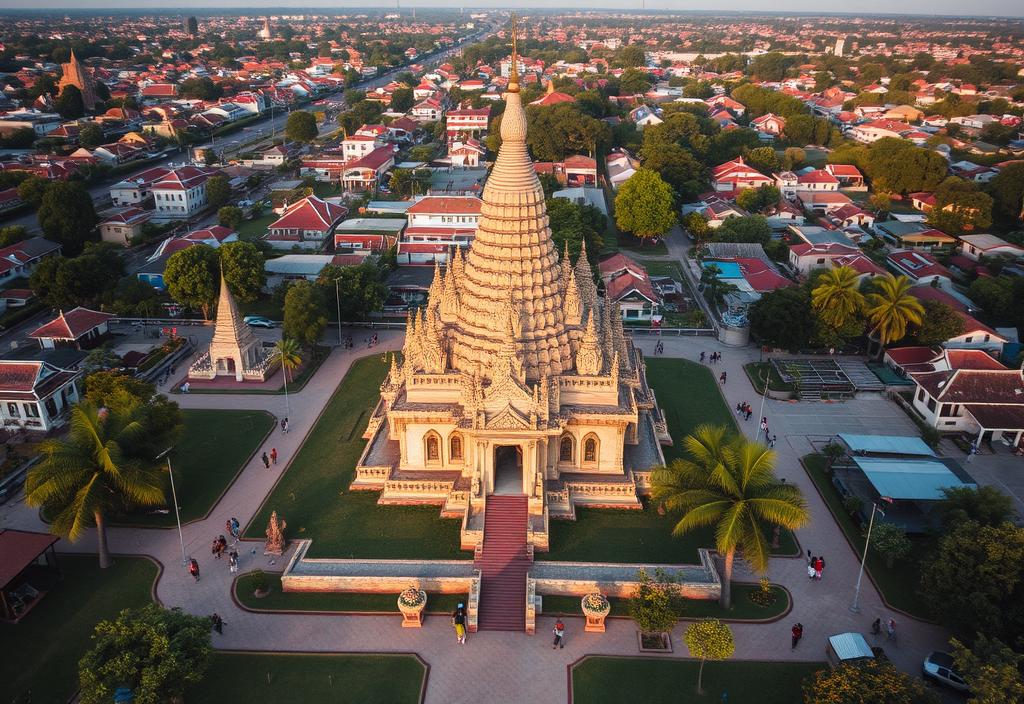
985 505
991 669
301 127
876 681
192 278
12 234
752 228
286 354
677 166
161 418
241 265
756 200
631 56
643 205
69 103
837 298
218 190
401 99
634 81
793 158
729 483
32 190
974 580
575 224
1007 189
938 324
230 216
156 653
891 308
709 639
67 216
90 135
960 207
359 289
656 602
783 318
697 226
133 298
200 89
895 165
711 281
994 294
891 542
304 317
84 477
764 159
84 280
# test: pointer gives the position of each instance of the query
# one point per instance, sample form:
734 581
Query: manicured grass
597 680
257 227
313 495
279 600
310 679
756 372
659 267
213 448
743 609
898 584
41 653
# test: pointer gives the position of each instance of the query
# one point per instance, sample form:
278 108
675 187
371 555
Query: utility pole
855 606
174 497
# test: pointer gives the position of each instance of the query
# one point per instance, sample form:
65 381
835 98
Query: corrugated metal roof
887 444
909 479
850 646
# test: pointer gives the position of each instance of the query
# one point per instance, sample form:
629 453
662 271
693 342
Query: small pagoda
75 74
234 350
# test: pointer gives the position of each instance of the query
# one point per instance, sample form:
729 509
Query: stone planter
411 603
654 642
596 609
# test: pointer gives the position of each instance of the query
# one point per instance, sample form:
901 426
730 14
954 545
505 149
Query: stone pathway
505 666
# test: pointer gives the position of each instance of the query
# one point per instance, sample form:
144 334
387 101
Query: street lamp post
855 606
174 496
337 300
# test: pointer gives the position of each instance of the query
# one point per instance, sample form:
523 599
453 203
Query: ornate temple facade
75 74
516 377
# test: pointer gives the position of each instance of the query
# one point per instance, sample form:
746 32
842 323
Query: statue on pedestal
275 536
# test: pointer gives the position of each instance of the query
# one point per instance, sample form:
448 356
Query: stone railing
601 490
531 604
370 477
642 480
416 490
473 602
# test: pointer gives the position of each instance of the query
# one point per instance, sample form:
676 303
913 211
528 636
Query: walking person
273 455
236 528
266 460
559 631
215 549
233 561
890 630
459 623
721 378
285 426
218 623
193 568
797 632
771 443
702 357
811 572
876 628
819 565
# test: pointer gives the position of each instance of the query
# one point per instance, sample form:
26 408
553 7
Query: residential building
466 154
181 193
20 259
627 284
769 123
984 245
736 175
848 175
620 166
123 225
138 189
365 173
366 235
913 235
921 268
467 122
36 396
436 224
81 329
306 224
804 258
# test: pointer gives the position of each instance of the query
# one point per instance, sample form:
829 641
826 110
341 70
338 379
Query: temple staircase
504 561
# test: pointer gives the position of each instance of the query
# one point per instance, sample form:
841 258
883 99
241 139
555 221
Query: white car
258 321
938 667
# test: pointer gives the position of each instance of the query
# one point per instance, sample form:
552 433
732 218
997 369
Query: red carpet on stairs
503 565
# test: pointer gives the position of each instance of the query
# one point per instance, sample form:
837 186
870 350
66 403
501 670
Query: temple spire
513 74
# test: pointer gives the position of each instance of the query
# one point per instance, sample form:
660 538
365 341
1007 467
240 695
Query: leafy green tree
241 264
783 318
90 136
218 190
643 205
793 158
134 298
731 144
156 653
202 88
32 190
837 298
991 669
304 313
575 224
12 234
764 159
401 100
710 279
656 603
709 639
634 81
191 276
359 289
67 216
891 308
874 680
69 103
756 200
974 581
556 132
752 228
995 295
697 226
1007 189
631 56
160 417
84 477
985 505
230 216
891 542
301 127
938 324
895 165
960 207
729 483
677 166
84 280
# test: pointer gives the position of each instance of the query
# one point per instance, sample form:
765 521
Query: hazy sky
1010 8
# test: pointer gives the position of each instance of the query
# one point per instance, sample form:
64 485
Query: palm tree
286 353
891 308
837 298
729 482
84 477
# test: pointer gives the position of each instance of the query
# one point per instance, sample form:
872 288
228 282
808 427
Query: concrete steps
503 564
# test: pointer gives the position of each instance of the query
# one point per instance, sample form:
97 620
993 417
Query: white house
181 193
985 245
436 224
36 396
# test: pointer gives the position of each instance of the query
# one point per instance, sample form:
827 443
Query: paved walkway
515 667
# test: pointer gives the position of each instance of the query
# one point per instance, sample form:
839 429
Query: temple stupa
516 377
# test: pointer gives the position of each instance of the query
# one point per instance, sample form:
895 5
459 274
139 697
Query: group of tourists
815 566
270 459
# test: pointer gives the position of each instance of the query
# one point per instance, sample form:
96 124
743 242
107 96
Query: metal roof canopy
886 444
850 646
911 479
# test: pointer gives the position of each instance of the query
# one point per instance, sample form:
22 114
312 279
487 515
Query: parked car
258 321
938 667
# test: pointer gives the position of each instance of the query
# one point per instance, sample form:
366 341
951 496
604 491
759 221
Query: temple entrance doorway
508 469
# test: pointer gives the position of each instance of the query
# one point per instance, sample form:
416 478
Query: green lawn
41 652
257 227
214 447
659 267
279 600
743 609
756 372
314 498
898 584
597 680
310 679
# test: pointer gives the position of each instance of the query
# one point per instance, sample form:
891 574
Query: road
233 143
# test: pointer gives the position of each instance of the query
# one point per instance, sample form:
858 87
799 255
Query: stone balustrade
473 602
531 605
370 478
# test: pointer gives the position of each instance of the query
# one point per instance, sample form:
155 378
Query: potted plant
596 608
411 603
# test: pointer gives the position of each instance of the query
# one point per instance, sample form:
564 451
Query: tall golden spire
513 76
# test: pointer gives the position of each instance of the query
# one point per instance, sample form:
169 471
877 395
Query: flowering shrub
596 602
412 597
763 596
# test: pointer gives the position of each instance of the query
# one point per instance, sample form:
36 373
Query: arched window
433 448
455 448
590 449
565 449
